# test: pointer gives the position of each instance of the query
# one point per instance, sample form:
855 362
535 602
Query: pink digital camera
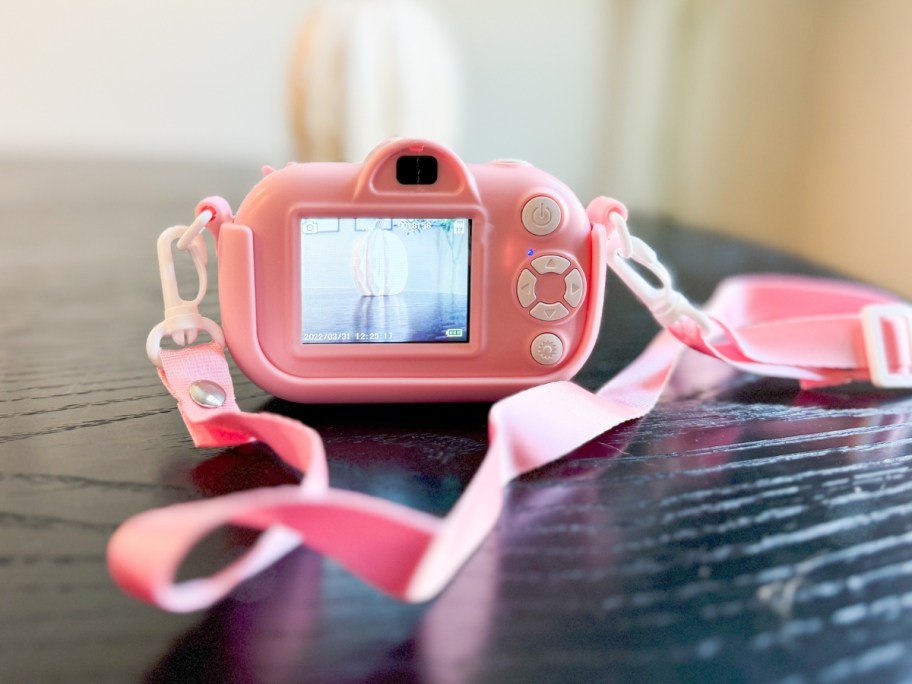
409 277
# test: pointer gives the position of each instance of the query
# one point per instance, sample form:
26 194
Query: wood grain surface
743 532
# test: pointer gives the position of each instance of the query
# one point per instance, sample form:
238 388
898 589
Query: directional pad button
549 312
551 287
525 287
573 285
550 263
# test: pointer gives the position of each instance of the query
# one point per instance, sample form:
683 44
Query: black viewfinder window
416 170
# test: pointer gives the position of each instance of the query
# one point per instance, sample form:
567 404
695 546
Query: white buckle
872 327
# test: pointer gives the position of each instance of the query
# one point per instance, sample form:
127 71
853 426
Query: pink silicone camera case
260 298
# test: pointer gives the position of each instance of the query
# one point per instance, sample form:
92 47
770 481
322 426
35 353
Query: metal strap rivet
207 394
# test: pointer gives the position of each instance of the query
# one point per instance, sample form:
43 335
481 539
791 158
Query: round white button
547 349
541 215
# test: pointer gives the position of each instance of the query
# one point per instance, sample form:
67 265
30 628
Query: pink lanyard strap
820 332
406 553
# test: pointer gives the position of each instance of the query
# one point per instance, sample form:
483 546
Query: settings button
547 349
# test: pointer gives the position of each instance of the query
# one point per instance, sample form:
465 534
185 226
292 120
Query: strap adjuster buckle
874 320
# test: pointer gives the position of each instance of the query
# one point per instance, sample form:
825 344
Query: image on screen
382 280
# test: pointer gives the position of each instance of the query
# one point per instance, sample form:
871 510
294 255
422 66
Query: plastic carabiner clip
667 305
183 321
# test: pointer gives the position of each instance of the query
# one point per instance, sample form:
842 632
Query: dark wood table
744 532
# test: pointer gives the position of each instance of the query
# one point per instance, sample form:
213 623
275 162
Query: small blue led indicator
530 252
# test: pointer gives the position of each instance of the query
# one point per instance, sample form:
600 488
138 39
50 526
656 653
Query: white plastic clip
873 318
668 306
183 321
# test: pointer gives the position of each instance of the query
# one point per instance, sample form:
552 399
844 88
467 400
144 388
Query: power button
541 215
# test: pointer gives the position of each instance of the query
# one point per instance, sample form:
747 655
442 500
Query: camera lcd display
382 280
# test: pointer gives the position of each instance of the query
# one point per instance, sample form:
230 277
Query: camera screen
385 280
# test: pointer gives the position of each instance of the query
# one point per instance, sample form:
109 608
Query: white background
207 79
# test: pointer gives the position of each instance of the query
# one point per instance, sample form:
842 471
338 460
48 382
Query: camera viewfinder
416 170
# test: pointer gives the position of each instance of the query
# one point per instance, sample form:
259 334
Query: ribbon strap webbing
818 331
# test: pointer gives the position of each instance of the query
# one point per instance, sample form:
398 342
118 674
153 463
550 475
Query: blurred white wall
209 79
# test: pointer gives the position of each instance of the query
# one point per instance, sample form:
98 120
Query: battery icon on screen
454 332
